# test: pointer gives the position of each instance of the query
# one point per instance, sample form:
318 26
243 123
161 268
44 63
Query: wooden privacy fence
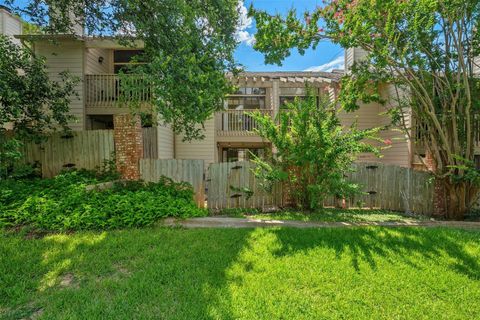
190 171
83 149
391 187
233 185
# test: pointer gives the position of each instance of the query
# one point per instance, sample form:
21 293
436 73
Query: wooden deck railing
238 122
420 129
107 90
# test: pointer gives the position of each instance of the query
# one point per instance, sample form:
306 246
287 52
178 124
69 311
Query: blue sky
325 57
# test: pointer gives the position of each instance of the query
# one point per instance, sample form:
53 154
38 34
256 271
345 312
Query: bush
63 203
314 151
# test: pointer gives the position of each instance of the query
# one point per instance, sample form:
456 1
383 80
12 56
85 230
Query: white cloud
337 63
244 23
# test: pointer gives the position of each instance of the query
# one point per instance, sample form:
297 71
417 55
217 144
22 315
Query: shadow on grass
367 244
199 273
148 273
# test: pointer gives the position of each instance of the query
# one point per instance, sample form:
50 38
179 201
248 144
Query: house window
99 122
123 59
288 95
248 98
241 154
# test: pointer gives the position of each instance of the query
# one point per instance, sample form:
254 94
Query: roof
36 37
290 76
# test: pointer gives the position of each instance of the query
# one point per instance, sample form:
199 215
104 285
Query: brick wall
128 145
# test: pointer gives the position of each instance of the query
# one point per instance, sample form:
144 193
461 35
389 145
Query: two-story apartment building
229 134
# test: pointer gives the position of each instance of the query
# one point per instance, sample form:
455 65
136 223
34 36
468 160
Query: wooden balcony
419 130
107 93
238 123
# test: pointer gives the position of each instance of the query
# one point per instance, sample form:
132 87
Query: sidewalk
224 222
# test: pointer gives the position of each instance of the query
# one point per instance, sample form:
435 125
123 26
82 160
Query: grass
325 215
279 273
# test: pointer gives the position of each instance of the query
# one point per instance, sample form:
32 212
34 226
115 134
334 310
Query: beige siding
476 67
353 55
399 152
198 149
92 66
165 142
67 55
10 25
366 117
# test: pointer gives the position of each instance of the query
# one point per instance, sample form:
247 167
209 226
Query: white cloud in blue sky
337 63
252 60
244 25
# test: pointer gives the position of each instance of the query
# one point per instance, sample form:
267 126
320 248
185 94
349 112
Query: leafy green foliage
425 52
313 151
9 154
63 203
189 45
32 103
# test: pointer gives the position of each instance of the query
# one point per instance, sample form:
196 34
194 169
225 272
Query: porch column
275 97
128 138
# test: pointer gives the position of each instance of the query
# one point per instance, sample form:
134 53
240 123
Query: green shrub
63 203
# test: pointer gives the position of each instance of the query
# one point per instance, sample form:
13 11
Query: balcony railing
108 90
238 122
420 129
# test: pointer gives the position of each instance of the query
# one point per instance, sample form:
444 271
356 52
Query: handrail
239 120
102 90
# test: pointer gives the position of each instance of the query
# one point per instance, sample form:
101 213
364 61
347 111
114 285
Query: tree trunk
456 200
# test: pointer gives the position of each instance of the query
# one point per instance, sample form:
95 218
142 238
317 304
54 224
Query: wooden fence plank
383 186
84 149
190 171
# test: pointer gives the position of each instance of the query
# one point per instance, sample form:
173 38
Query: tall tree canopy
31 103
189 45
425 49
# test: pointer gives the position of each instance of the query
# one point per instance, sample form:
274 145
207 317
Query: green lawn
352 273
325 215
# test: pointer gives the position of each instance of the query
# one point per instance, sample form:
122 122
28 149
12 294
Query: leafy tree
425 50
189 45
31 104
313 151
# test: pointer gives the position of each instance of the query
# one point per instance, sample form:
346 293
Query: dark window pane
125 56
249 91
240 103
241 154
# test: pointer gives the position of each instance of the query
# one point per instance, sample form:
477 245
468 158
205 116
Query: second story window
123 59
247 98
288 95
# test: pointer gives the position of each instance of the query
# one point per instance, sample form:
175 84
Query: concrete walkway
224 222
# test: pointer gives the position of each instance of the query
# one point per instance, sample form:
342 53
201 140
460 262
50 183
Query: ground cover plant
279 273
325 215
64 203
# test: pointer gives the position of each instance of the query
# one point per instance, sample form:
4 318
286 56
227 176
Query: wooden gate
390 187
233 185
